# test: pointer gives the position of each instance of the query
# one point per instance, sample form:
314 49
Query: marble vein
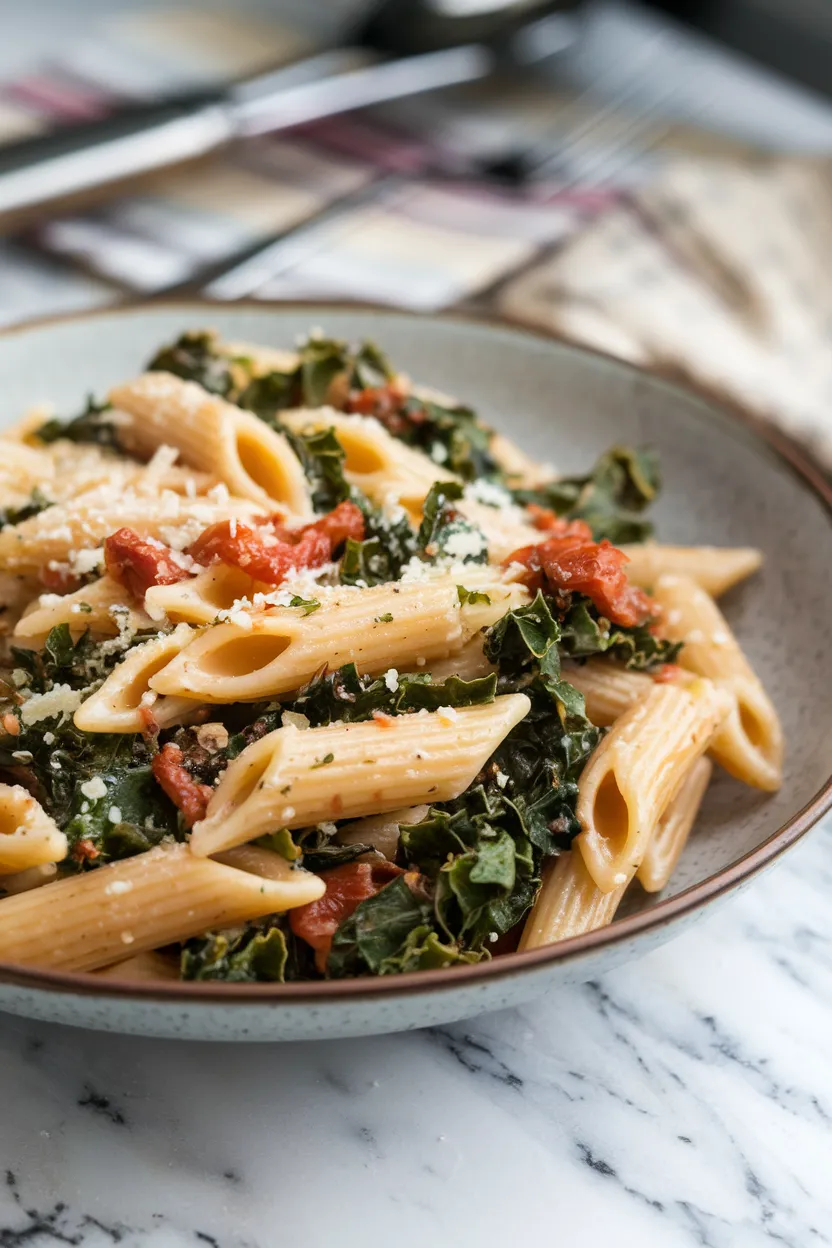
684 1100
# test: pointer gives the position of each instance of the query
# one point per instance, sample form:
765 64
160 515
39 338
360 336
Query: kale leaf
611 498
36 503
445 531
450 434
195 356
255 953
584 634
346 695
92 425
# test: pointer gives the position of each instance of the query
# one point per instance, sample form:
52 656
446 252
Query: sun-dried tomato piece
558 526
186 793
346 888
270 551
137 563
574 565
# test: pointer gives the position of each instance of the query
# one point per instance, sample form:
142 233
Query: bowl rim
788 454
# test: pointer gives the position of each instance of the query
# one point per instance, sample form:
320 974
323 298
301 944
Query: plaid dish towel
716 271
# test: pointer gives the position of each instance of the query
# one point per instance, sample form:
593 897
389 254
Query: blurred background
650 179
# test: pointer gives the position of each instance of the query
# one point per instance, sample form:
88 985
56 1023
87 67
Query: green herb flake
323 762
307 604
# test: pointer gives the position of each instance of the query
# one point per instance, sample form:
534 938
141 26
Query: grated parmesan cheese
391 679
60 701
94 789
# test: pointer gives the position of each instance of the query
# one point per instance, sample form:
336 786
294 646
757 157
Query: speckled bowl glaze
724 485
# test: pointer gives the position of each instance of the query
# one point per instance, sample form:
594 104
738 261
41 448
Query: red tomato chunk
346 888
270 551
137 563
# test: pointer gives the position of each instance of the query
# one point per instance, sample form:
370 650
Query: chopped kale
584 634
444 529
256 953
611 498
451 435
123 811
36 503
345 695
92 425
195 357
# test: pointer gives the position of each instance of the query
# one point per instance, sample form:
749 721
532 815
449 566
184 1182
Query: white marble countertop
684 1100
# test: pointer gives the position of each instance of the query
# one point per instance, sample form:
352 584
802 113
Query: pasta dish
308 673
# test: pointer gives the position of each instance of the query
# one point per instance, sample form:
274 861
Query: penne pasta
201 598
569 903
28 837
281 649
103 607
635 771
505 529
664 849
293 778
385 469
57 534
254 460
468 664
715 569
166 894
32 877
520 468
125 700
750 744
143 968
381 831
608 688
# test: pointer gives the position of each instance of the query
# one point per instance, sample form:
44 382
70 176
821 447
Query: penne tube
569 903
380 465
168 894
715 569
750 744
505 529
254 460
521 468
28 836
634 773
99 607
381 831
200 599
469 664
277 651
32 877
60 532
664 849
608 688
143 968
294 779
125 700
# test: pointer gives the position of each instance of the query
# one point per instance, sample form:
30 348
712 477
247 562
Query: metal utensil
454 42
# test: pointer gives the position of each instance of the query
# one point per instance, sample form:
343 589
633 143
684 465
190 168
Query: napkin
716 271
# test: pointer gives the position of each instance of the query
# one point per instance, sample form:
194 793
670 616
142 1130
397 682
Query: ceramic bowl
725 484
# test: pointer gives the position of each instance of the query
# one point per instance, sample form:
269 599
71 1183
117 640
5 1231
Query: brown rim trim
662 913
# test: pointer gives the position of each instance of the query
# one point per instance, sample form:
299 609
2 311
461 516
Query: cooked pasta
253 460
715 570
273 783
306 672
750 744
28 836
632 776
145 902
